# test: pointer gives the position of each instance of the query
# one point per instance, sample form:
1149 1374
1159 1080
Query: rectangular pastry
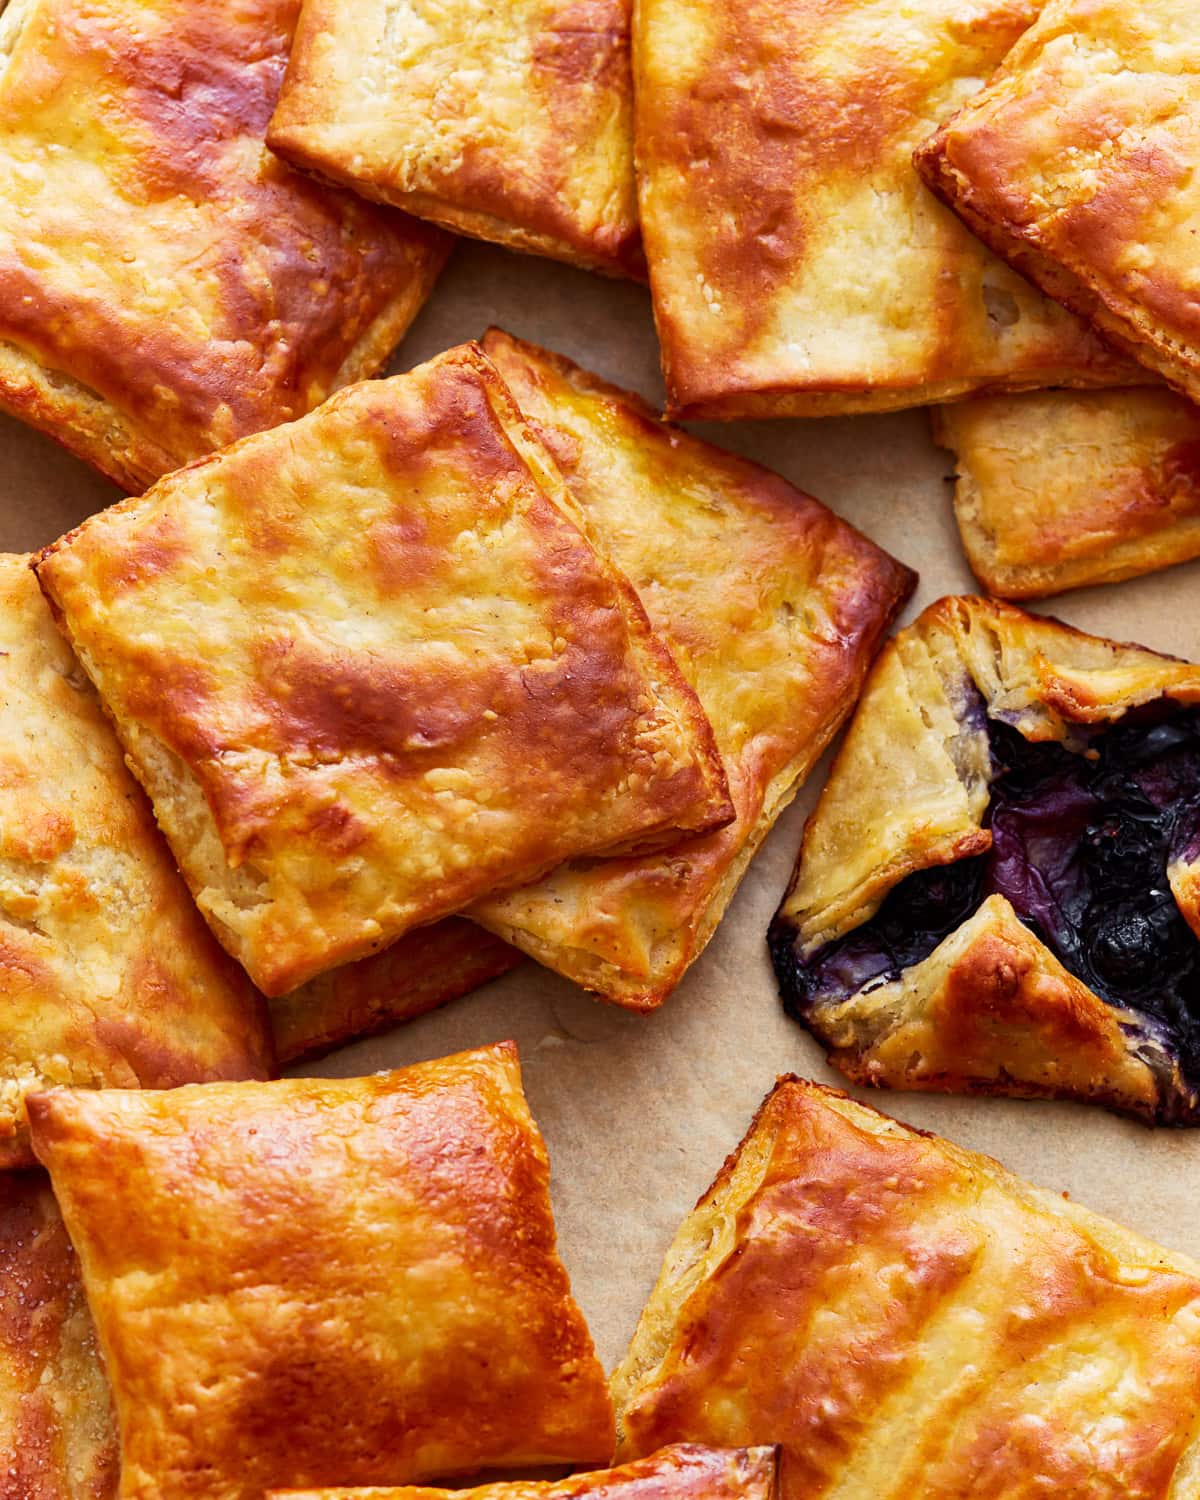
325 1281
909 1319
1060 489
798 266
773 609
510 122
108 975
1077 164
370 669
167 284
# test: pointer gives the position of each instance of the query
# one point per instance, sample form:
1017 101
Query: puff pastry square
684 1471
510 122
999 889
772 608
797 263
344 1281
57 1433
166 283
909 1319
1077 164
108 976
1058 489
370 669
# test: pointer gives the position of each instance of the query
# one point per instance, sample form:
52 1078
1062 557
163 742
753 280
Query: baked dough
1059 489
772 608
511 122
369 670
973 913
798 266
107 974
57 1435
684 1471
909 1319
342 1281
1077 164
166 283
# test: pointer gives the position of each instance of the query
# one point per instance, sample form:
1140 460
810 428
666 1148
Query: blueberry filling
1080 847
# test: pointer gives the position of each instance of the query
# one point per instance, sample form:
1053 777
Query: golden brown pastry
340 1281
510 122
108 976
1077 164
1058 489
772 608
999 889
166 283
797 263
684 1471
57 1434
909 1319
369 670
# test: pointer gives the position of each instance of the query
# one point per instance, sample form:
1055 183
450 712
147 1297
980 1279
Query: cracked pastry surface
798 265
908 1318
166 283
999 889
108 976
1060 489
509 122
773 609
370 669
343 1280
1077 164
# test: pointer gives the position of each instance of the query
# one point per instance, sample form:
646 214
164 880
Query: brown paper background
640 1112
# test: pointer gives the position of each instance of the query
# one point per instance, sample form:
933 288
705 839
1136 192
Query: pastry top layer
108 976
370 669
512 123
1077 161
907 1317
772 608
341 1280
167 284
798 264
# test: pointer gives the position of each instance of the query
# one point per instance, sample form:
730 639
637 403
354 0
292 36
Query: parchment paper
640 1113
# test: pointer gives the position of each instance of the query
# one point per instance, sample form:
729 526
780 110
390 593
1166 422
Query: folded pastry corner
997 891
908 1318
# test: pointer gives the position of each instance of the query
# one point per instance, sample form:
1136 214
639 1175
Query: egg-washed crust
798 266
1060 489
773 609
108 976
990 1010
57 1434
1076 164
370 669
166 283
908 1318
511 123
344 1281
683 1471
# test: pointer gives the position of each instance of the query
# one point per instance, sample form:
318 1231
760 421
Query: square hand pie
341 1281
1058 489
1077 164
510 122
798 265
58 1438
910 1320
370 669
108 976
773 609
684 1471
166 283
999 890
